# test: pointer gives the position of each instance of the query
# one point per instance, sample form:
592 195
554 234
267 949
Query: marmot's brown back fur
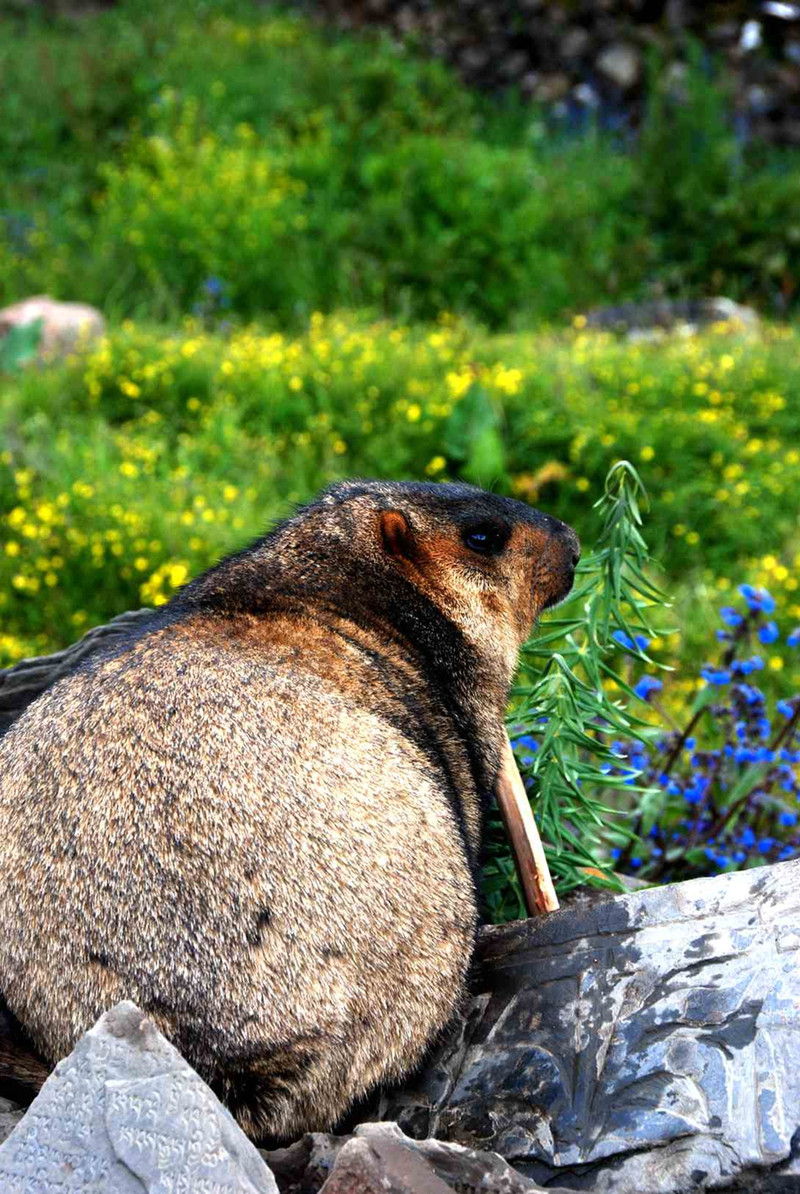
260 816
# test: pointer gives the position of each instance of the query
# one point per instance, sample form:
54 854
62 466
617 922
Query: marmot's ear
396 534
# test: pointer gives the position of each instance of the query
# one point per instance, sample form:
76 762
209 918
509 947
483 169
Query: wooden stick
526 845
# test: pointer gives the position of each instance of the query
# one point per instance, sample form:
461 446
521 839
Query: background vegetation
322 256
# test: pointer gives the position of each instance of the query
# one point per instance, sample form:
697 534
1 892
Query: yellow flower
128 469
436 465
414 412
12 548
178 574
647 453
295 383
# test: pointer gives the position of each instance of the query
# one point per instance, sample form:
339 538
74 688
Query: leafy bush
618 785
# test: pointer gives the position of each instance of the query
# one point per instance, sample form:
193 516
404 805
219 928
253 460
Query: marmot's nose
574 545
569 540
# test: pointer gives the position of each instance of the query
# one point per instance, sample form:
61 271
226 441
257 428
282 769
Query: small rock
65 326
576 42
760 99
125 1114
586 95
751 36
379 1159
10 1115
381 1167
621 63
514 64
551 88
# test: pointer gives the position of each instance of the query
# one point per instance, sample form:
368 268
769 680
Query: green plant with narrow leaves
572 703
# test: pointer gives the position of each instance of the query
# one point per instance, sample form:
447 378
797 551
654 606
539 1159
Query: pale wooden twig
526 845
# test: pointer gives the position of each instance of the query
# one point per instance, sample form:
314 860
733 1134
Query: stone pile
646 1044
581 57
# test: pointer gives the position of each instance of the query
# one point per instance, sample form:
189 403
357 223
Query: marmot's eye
487 538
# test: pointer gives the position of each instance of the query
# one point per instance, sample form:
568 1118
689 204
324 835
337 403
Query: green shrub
154 147
722 214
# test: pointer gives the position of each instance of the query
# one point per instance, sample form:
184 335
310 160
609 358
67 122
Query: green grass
139 464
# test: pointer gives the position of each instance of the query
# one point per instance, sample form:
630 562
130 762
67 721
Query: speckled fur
260 816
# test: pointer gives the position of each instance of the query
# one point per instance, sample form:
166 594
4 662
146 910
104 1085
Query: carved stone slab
649 1044
125 1114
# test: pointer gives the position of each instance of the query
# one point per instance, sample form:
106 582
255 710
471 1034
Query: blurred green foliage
152 146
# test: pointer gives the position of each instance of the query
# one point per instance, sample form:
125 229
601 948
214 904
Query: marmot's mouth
561 594
563 559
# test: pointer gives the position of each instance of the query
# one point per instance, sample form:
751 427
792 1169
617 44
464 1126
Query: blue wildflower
766 844
793 640
696 789
786 708
739 856
715 675
731 616
769 633
788 819
786 853
214 286
636 862
747 838
638 643
758 599
746 666
527 746
646 686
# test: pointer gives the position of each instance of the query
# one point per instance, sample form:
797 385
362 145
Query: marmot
259 817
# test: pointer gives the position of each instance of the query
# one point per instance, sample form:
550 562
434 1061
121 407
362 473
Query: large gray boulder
647 1045
125 1114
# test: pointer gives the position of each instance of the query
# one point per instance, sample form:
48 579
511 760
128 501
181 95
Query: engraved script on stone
125 1114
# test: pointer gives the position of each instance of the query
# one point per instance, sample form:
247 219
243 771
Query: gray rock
10 1115
125 1114
647 1045
65 326
379 1157
621 63
672 313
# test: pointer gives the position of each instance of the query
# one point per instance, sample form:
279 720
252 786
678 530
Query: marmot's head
489 563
